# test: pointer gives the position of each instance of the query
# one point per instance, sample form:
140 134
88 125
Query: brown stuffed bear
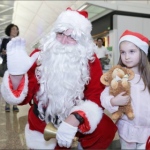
117 78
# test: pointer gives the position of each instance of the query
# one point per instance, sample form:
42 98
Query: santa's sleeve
26 89
91 109
105 100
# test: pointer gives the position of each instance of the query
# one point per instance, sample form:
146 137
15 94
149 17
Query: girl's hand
120 100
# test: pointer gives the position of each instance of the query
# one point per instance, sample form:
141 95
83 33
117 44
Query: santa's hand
120 100
18 61
65 134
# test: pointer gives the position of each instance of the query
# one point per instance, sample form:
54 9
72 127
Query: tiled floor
12 127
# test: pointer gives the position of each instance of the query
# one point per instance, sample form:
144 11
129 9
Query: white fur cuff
35 140
7 94
92 111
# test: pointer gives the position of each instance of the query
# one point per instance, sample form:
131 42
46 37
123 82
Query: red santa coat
96 132
148 144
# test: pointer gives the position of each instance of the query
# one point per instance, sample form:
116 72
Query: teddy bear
118 78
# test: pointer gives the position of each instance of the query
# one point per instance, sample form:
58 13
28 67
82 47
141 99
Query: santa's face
65 37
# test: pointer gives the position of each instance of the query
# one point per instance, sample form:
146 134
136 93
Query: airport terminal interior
109 19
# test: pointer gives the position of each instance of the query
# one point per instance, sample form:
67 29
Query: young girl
133 55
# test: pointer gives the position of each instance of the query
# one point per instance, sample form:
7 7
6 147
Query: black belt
36 112
35 109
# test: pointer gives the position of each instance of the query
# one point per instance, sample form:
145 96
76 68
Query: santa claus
62 78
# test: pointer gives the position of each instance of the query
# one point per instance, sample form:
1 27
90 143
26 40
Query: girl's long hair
144 69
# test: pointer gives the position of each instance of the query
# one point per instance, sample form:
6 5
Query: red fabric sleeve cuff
85 126
18 91
148 144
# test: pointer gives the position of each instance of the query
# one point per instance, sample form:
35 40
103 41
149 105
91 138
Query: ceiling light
6 10
8 21
84 6
2 19
1 5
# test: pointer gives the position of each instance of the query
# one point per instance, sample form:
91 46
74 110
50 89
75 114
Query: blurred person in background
11 31
102 53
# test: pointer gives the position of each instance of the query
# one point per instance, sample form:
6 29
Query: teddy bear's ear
104 79
130 73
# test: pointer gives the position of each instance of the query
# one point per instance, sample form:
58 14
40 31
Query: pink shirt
138 129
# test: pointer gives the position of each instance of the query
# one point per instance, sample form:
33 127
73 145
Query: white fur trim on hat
75 21
135 40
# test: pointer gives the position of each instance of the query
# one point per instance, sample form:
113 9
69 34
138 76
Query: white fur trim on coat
93 113
35 140
7 94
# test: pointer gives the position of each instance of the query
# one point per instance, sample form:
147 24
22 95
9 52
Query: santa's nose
64 39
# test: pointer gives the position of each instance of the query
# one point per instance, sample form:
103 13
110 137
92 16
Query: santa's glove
18 61
65 134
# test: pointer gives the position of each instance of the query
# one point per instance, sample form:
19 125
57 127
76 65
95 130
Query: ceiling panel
40 27
22 30
21 22
24 12
29 36
58 6
47 14
31 5
94 10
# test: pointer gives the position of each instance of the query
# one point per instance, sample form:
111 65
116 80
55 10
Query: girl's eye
132 51
122 52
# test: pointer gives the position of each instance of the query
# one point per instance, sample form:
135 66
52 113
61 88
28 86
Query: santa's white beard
64 75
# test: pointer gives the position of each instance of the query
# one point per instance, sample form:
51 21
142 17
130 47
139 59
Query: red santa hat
77 20
136 38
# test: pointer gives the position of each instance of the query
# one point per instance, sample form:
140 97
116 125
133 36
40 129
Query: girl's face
130 55
14 31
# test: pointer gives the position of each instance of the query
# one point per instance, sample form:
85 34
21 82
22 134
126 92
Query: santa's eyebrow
59 32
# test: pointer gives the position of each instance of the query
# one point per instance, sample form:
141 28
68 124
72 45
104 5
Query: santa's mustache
58 47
